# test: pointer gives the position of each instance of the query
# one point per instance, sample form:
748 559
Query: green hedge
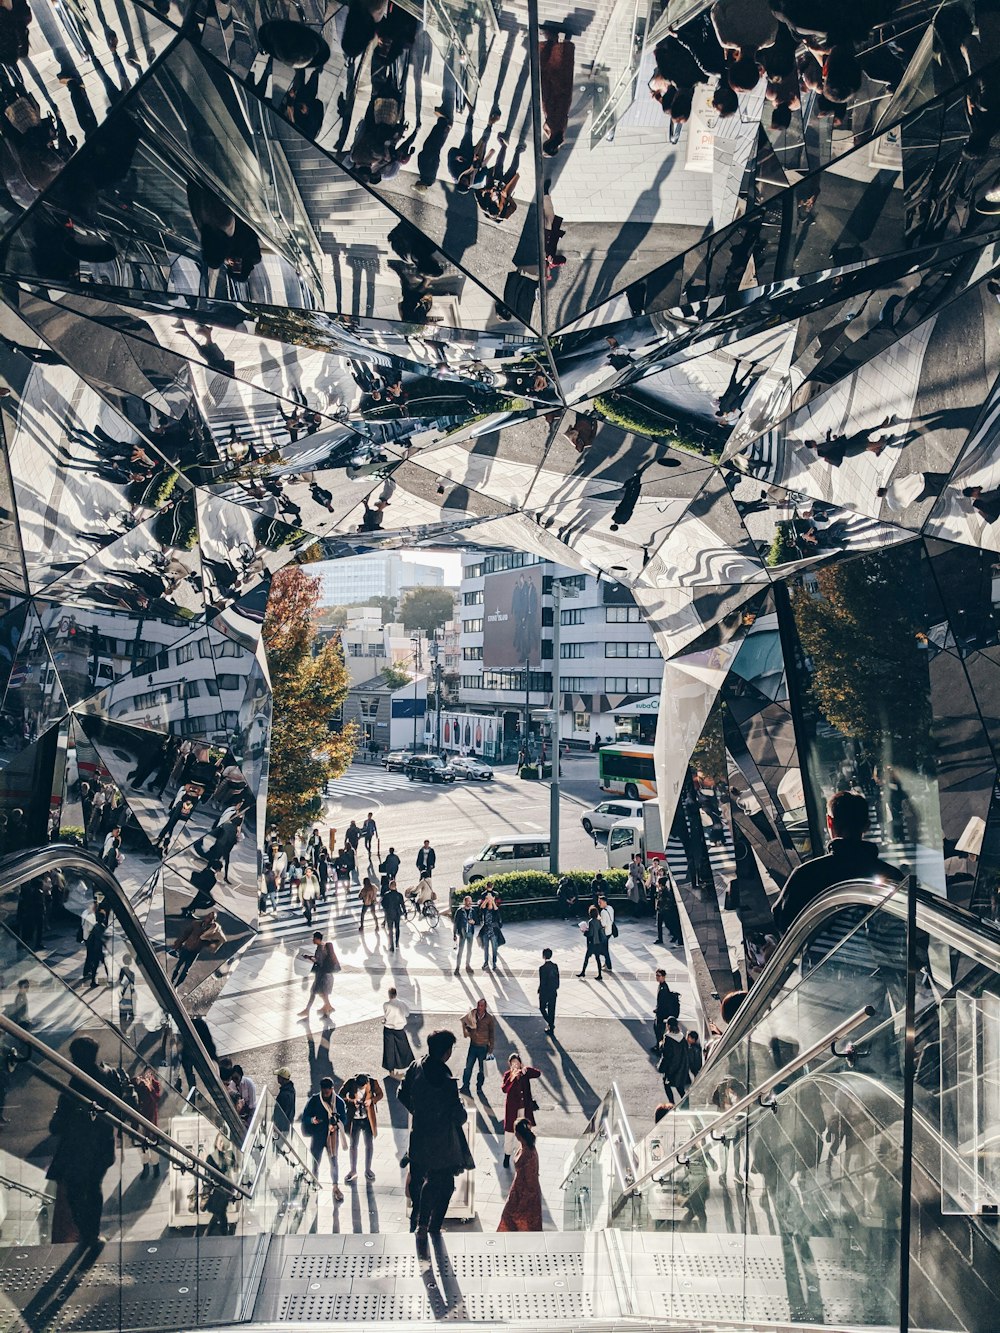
538 884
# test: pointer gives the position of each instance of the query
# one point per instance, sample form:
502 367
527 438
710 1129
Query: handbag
23 113
499 936
614 930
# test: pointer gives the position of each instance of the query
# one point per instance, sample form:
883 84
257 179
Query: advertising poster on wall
512 619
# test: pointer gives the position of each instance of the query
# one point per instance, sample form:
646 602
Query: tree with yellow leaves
307 691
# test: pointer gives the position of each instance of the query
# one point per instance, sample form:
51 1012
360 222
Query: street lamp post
415 641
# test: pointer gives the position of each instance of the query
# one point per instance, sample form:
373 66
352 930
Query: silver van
502 855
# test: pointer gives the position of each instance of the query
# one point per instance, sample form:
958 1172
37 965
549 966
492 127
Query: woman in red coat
516 1086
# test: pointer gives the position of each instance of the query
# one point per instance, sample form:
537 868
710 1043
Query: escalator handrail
943 921
123 1116
257 1127
681 1155
21 866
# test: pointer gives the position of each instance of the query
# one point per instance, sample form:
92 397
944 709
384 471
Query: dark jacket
437 1140
390 866
548 979
393 904
848 858
284 1106
464 922
597 936
426 860
317 1109
674 1062
668 1002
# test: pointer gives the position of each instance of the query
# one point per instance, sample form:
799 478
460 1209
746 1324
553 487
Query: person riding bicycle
422 893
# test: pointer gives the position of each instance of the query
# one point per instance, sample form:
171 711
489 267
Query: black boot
506 1161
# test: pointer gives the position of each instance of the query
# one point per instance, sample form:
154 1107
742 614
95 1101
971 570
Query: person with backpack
607 915
668 1005
324 964
597 941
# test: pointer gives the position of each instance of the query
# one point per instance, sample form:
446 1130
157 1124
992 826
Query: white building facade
380 574
608 659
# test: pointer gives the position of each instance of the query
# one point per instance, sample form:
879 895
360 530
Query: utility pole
527 705
436 651
558 592
415 641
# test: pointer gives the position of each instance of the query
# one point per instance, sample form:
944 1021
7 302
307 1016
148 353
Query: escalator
110 1100
822 1170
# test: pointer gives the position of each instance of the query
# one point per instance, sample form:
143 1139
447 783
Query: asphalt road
459 818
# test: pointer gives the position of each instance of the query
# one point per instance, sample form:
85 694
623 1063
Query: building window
493 564
185 653
472 571
472 626
512 680
474 598
631 650
472 654
578 581
574 617
631 685
354 650
570 650
622 615
581 721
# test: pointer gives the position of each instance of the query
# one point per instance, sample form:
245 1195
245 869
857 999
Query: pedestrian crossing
363 781
722 859
289 922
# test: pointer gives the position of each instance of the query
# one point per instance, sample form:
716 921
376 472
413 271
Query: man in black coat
668 1005
849 857
426 860
284 1101
323 1119
548 988
393 907
389 868
439 1150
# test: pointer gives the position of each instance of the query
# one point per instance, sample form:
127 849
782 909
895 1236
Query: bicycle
428 911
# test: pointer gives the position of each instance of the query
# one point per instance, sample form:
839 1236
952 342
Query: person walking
284 1101
666 911
309 892
438 1149
314 846
369 831
426 860
389 868
668 1005
94 956
523 1209
368 895
597 942
324 964
548 990
361 1095
204 934
323 872
610 926
491 935
479 1027
346 865
673 1063
85 1150
397 1055
696 1056
149 1090
519 1103
463 930
393 906
352 837
323 1120
223 1159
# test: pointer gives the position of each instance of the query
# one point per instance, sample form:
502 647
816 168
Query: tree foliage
396 676
866 645
307 691
426 609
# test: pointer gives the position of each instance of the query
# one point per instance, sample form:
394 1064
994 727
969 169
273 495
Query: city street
459 818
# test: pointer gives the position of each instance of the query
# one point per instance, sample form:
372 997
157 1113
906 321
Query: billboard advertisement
512 619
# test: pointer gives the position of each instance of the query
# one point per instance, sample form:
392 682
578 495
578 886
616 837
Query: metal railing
21 866
682 1155
119 1113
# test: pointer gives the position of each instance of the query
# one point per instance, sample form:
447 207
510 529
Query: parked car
474 769
427 768
396 760
600 819
513 851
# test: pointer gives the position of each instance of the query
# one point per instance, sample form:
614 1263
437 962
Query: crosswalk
289 922
722 860
362 781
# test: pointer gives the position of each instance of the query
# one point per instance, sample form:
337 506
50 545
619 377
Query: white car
600 819
466 767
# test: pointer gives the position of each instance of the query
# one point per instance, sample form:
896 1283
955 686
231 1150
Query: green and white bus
626 769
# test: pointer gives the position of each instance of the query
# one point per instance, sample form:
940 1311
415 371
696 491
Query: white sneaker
350 1178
